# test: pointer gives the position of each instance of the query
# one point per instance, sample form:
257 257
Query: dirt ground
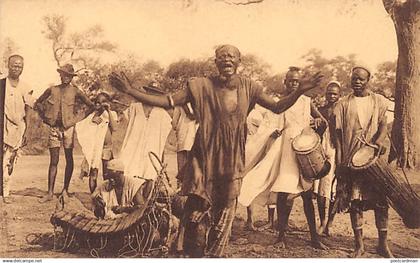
26 218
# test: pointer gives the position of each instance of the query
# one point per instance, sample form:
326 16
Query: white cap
362 66
334 82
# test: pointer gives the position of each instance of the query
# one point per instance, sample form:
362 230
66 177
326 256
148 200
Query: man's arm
42 98
86 101
277 107
179 98
286 102
381 135
140 199
121 83
338 145
319 120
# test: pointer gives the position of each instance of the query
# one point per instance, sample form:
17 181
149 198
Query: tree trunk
406 127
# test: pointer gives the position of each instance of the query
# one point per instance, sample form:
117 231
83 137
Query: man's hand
310 82
381 148
277 133
318 122
117 209
120 82
106 106
97 120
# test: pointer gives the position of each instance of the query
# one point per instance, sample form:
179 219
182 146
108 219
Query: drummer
289 183
360 119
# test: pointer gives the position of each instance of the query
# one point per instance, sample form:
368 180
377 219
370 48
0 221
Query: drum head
305 142
363 157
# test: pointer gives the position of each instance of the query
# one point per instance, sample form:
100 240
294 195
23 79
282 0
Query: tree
406 128
336 68
82 49
383 81
180 71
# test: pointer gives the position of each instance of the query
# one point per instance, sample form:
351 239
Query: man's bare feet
384 251
250 226
65 194
280 243
318 245
47 198
324 231
358 253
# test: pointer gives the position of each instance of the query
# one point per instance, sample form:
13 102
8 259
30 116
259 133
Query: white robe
296 118
91 137
14 110
185 129
144 135
257 183
324 186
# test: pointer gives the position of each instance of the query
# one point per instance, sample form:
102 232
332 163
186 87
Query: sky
278 31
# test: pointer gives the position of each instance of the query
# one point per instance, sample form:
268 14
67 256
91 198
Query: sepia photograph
269 129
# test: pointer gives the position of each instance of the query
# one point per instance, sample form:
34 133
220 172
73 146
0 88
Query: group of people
216 166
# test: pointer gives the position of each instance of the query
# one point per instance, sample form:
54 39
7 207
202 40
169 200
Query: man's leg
194 241
68 170
284 207
381 221
68 143
181 158
331 215
7 152
250 217
221 228
322 207
93 176
308 208
356 217
52 173
270 213
105 169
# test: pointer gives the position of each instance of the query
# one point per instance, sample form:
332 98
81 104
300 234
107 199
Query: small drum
311 156
397 190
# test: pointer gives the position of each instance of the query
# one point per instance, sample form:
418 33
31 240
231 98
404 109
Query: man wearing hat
360 119
56 107
324 187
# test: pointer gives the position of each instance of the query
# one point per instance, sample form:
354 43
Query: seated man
120 194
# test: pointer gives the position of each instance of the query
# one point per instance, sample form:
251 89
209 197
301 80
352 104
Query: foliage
383 81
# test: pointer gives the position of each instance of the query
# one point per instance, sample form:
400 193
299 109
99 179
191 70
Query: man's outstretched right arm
164 101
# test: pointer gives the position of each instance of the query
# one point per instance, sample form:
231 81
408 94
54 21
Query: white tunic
14 111
144 135
296 118
257 182
91 137
185 129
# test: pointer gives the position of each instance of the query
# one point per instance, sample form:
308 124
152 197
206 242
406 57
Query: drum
395 187
311 156
144 232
